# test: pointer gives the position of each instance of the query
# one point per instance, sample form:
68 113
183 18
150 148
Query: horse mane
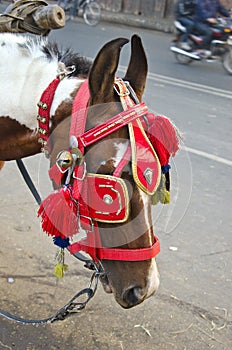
44 48
68 57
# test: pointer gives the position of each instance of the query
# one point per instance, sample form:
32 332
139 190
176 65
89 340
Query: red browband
112 124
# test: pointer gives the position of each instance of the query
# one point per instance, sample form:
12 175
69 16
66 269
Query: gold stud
42 131
42 105
43 142
41 119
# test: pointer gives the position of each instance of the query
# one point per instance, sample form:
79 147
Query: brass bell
77 155
64 159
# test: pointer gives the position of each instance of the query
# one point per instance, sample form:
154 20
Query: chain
72 306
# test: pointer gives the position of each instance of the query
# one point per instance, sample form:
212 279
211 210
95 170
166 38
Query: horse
125 235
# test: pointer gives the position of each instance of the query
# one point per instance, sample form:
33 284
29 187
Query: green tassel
161 195
59 270
164 196
155 198
60 266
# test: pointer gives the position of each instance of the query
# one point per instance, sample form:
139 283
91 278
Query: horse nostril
132 296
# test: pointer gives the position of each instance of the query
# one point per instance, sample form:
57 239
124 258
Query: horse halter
72 207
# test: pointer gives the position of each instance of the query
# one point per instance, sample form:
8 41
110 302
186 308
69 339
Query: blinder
108 200
146 167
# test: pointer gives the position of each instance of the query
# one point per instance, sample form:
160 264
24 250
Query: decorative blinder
145 163
108 200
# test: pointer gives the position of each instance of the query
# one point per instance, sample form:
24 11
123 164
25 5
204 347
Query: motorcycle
220 47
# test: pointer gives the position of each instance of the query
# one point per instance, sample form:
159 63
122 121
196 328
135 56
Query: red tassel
59 213
163 137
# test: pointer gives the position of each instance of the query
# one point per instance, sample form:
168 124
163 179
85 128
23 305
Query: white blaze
153 273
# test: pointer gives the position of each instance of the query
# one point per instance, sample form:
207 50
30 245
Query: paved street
192 309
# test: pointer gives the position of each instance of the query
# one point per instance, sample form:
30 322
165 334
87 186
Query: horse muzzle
134 294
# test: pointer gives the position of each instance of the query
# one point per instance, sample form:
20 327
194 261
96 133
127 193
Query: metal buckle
64 71
91 224
124 84
42 131
41 119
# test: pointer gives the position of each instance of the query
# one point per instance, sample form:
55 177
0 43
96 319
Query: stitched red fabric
44 111
79 111
102 253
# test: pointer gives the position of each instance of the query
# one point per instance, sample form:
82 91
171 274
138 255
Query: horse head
130 281
120 234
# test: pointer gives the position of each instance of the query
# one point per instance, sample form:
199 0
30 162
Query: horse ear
137 69
102 73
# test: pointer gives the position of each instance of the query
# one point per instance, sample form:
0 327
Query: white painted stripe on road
192 86
208 155
185 84
198 87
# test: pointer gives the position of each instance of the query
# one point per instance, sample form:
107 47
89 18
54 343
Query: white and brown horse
27 67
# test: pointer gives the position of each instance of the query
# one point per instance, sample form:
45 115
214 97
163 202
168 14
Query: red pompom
59 213
163 137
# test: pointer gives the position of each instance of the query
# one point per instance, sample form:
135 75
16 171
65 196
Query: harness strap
43 116
119 254
145 163
123 162
113 124
92 244
79 111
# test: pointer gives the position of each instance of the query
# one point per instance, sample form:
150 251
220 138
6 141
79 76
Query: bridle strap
113 124
43 116
119 254
79 110
139 254
123 162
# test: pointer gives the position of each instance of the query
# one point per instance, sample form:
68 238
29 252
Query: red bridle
131 116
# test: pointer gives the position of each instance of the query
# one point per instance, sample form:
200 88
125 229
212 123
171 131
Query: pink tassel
59 213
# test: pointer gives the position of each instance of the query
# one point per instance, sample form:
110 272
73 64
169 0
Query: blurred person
185 11
74 7
59 3
206 15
